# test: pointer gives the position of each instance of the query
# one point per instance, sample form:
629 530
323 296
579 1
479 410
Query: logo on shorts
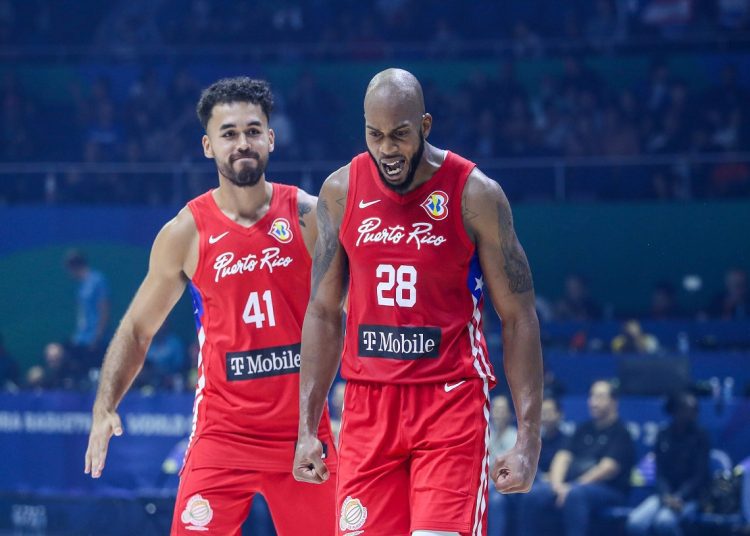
197 513
281 230
436 205
353 514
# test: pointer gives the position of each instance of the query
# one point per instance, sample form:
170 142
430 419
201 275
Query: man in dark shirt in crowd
553 438
682 470
591 471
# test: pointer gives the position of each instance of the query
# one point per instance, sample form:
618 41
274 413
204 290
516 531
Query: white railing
553 177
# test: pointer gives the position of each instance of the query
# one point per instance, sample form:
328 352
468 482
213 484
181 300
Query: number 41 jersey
415 291
250 291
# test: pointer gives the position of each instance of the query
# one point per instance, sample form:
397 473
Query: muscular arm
489 222
160 290
321 332
307 212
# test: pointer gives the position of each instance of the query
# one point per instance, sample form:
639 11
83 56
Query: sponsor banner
399 342
264 362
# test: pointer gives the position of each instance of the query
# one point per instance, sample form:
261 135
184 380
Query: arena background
618 128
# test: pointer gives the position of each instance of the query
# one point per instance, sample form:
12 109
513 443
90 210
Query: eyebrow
398 127
255 123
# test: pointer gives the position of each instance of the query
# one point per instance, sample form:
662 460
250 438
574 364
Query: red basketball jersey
250 291
415 292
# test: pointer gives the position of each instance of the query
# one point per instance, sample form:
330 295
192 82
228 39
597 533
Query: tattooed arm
488 221
321 332
306 210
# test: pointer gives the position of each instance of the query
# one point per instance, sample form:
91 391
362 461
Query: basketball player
416 232
243 249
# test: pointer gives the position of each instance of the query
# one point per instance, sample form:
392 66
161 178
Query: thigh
298 507
372 486
215 499
449 457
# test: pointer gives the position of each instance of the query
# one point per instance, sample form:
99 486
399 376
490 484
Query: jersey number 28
403 278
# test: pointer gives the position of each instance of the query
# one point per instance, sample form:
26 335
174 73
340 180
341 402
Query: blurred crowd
581 105
364 28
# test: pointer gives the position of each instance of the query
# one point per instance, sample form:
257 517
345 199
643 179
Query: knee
666 523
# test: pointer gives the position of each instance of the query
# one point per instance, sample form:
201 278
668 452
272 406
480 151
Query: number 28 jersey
415 286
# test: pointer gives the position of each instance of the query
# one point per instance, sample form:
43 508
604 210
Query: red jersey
415 291
250 290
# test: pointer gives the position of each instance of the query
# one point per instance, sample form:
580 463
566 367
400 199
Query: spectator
502 438
589 473
576 304
734 302
633 340
682 471
553 437
92 312
8 369
56 371
663 304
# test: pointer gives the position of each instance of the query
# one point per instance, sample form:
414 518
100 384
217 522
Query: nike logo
362 204
449 388
214 239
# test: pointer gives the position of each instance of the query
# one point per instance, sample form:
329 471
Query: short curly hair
239 89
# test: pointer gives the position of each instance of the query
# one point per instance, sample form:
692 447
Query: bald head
397 86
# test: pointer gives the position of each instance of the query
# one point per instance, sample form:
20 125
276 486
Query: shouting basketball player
416 233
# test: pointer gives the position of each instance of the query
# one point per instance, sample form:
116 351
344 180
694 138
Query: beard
247 176
413 163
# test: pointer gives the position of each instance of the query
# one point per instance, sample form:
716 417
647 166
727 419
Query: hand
514 471
561 490
308 461
103 425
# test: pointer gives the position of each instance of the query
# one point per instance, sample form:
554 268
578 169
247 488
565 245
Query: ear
207 151
426 125
271 139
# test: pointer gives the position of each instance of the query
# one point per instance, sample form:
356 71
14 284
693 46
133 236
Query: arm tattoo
303 208
325 249
516 266
466 212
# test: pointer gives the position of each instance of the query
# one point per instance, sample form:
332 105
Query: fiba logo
436 205
197 513
353 514
281 230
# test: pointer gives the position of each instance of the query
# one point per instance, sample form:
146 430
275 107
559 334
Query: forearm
321 353
122 362
602 472
559 468
522 362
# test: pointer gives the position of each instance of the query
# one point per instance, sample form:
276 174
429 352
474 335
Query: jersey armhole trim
296 225
194 210
351 192
463 234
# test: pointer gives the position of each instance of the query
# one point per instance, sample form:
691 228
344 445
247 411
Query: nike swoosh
362 204
449 388
214 239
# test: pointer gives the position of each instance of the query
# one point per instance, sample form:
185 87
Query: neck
432 159
606 421
245 205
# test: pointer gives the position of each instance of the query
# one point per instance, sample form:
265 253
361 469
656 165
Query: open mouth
393 168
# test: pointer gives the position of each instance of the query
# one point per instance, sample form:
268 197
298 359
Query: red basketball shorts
213 500
413 457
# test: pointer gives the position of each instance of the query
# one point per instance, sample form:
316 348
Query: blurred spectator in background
92 313
734 302
682 471
589 473
553 437
56 373
663 303
576 304
632 340
166 360
8 369
502 438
